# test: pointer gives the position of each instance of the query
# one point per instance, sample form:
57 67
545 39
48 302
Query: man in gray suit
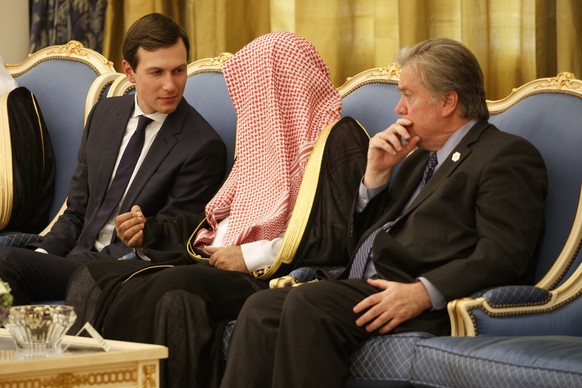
150 149
464 212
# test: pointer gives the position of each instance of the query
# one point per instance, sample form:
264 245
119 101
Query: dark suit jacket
181 172
476 223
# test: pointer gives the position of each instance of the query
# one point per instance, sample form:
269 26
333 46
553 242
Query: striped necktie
363 254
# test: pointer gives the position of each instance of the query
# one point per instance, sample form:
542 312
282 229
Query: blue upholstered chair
547 112
206 91
527 336
60 77
66 80
371 96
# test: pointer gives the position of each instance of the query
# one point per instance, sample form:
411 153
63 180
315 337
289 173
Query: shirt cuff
261 254
365 195
436 297
136 254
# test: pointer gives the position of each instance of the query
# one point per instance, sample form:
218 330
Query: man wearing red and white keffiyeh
284 101
281 109
283 98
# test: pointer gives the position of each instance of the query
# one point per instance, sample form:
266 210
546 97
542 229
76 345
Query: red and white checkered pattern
283 98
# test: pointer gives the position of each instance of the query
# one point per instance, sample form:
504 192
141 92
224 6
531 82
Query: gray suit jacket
476 224
181 172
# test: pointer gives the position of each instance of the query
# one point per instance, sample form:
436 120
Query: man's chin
167 108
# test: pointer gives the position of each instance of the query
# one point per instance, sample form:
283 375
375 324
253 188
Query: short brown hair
152 32
445 65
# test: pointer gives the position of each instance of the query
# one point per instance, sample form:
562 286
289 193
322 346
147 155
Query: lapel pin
456 156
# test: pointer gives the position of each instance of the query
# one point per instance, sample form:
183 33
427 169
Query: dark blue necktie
363 253
430 166
117 187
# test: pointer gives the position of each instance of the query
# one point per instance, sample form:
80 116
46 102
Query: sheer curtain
515 40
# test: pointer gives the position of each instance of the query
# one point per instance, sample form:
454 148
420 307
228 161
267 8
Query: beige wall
13 30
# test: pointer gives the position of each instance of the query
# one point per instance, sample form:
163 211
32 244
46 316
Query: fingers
377 316
211 250
129 227
391 139
394 304
228 258
135 241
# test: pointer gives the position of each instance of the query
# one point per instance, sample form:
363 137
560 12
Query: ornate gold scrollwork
564 79
217 61
392 71
150 372
72 380
73 47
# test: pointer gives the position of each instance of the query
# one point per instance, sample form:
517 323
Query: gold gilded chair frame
71 51
379 75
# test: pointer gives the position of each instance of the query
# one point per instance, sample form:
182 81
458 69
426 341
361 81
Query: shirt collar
156 116
453 141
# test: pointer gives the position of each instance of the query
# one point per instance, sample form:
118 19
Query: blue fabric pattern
17 239
523 362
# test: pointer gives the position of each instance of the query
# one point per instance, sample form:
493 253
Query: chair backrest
206 91
371 96
548 113
100 88
60 78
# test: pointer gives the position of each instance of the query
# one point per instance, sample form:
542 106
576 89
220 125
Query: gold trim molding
213 64
389 74
565 83
564 80
72 380
71 51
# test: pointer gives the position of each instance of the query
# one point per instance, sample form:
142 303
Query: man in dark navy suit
175 165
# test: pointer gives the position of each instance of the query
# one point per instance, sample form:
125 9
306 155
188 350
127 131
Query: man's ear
450 103
128 71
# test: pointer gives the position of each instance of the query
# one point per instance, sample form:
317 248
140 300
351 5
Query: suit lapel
409 176
114 131
449 165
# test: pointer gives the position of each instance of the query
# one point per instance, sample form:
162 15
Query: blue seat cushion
381 361
387 358
534 361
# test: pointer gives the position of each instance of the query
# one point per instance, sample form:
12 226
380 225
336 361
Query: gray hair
445 65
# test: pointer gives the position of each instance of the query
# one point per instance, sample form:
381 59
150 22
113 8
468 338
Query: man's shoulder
115 102
194 125
494 138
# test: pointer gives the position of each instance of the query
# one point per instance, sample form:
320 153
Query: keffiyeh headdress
283 98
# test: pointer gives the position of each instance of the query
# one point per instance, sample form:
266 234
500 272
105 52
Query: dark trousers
36 276
297 337
183 308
